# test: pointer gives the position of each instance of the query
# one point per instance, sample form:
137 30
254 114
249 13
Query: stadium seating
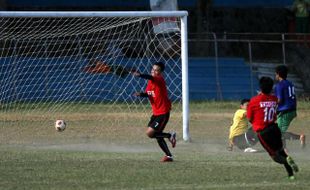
233 82
28 79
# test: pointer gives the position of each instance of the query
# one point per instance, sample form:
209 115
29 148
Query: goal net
76 67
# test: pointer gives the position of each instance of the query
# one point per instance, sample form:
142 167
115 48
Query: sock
162 135
290 136
288 169
163 145
284 141
283 157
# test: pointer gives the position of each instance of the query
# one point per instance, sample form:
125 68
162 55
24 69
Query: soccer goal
76 65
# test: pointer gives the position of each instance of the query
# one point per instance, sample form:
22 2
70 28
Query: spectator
300 7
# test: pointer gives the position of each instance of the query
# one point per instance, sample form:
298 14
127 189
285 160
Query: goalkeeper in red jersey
261 112
156 91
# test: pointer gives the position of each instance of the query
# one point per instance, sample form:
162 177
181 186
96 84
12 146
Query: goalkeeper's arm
141 94
97 66
144 76
121 71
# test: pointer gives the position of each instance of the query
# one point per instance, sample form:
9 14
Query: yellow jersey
239 125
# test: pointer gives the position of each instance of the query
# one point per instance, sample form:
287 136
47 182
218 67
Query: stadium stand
233 82
235 79
39 80
268 69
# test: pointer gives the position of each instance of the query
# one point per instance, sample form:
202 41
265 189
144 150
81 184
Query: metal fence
259 50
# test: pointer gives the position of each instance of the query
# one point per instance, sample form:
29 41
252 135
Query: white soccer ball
60 125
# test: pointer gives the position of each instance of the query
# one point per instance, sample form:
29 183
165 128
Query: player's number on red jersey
269 114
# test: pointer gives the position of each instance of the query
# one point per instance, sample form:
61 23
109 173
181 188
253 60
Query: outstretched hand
135 73
137 94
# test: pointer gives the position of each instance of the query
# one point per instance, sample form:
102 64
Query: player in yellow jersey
240 134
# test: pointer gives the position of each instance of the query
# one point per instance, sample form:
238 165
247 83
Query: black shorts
271 139
159 122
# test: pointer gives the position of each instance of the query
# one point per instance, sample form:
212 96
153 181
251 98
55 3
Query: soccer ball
60 125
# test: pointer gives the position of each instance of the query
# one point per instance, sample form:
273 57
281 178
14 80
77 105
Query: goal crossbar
94 14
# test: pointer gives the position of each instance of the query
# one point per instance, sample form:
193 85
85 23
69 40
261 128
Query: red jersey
261 111
158 95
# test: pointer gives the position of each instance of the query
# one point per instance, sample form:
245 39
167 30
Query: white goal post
53 60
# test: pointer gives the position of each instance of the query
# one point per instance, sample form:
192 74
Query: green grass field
93 154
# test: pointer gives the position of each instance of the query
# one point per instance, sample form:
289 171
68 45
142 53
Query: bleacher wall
26 79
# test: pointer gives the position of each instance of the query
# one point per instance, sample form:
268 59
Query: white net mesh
76 69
